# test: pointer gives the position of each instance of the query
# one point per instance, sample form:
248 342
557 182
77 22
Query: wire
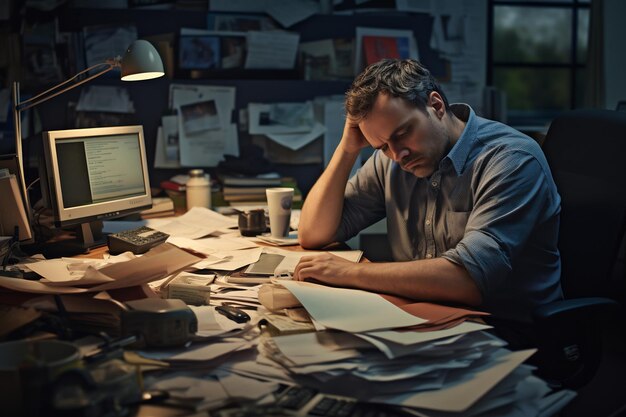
35 181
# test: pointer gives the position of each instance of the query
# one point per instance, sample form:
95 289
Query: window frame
572 65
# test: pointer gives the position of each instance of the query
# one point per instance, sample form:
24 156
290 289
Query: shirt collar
459 153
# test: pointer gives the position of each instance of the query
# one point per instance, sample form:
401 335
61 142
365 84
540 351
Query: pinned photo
199 52
233 51
200 116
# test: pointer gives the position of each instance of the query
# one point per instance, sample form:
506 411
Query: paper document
281 118
196 223
271 50
104 98
460 396
349 310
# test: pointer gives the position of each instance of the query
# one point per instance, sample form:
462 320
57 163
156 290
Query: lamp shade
141 61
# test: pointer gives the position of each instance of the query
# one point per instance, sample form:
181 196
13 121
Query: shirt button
434 184
429 255
427 222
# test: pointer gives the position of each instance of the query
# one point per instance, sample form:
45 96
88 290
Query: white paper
205 148
196 223
235 259
271 50
295 141
410 338
288 13
280 118
459 396
167 152
104 98
102 43
349 310
212 245
55 270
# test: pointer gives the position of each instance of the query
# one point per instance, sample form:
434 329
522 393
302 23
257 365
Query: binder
12 212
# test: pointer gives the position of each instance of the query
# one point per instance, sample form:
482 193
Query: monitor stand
87 236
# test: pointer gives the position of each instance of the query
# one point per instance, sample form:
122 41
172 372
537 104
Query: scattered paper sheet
409 338
159 262
24 285
196 223
210 323
55 270
460 396
349 310
212 245
232 260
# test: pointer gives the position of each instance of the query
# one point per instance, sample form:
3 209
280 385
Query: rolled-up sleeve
364 199
512 197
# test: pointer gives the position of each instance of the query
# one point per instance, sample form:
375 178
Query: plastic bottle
198 189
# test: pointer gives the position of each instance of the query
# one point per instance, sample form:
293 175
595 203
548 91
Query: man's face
414 139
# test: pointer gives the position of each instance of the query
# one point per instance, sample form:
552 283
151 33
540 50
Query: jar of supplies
198 189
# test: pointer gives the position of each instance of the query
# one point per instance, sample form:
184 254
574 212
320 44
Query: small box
192 288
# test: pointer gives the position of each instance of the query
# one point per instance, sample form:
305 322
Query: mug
252 222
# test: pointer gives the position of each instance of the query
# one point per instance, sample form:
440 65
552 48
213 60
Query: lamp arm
56 90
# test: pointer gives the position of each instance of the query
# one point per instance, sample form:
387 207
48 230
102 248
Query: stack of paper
455 371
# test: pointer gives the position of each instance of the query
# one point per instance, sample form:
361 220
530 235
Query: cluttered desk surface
286 348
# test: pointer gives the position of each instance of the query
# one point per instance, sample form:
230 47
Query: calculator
138 240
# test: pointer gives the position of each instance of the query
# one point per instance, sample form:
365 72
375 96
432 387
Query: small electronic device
138 240
233 313
158 322
266 265
93 175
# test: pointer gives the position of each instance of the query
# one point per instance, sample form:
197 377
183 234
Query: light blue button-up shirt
491 206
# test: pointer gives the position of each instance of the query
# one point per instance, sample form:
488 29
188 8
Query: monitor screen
96 174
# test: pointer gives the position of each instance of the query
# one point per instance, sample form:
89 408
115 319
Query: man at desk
472 210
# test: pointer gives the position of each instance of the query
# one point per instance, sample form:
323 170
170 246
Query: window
537 54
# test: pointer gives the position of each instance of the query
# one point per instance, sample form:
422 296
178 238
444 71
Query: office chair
586 151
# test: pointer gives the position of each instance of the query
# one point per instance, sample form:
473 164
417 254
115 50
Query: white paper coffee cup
279 205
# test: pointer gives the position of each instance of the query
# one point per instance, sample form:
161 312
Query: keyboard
303 401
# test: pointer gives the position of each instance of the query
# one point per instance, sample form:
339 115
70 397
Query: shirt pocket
454 225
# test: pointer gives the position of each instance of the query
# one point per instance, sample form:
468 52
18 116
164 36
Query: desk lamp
141 61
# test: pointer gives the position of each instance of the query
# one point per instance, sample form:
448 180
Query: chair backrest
586 151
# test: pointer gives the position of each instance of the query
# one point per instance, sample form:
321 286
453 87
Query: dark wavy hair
404 78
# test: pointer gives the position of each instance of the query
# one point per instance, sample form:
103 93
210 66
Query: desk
359 354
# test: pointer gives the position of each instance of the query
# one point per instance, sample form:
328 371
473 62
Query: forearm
322 209
428 280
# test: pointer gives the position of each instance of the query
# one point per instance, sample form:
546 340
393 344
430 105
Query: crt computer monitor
96 174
